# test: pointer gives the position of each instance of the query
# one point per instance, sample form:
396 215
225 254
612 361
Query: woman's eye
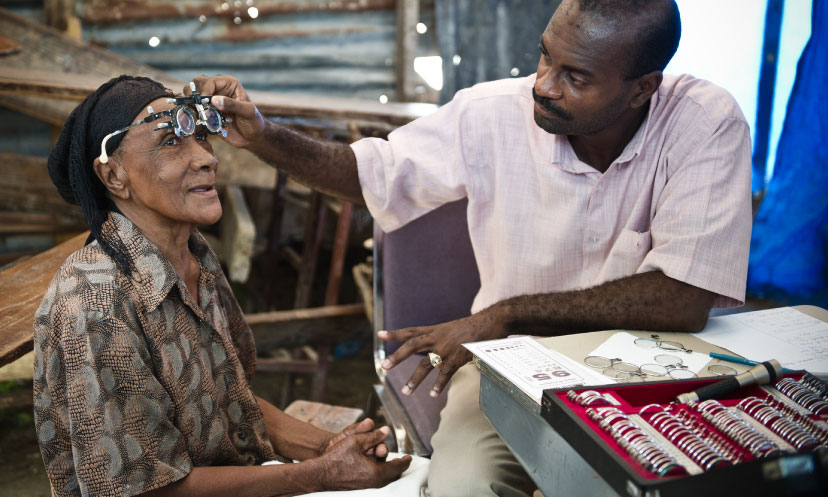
202 137
171 141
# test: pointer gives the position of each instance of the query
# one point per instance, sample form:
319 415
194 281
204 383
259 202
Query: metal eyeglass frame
203 107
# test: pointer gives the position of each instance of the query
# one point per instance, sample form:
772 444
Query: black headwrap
116 104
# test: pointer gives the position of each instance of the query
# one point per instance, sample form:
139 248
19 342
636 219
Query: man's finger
417 377
445 374
414 340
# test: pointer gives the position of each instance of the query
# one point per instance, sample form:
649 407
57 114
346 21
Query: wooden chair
424 273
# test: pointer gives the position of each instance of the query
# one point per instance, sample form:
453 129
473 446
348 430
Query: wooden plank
238 232
26 186
21 289
331 311
74 86
325 416
340 248
314 227
8 46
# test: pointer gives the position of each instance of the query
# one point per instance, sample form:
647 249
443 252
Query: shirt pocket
627 254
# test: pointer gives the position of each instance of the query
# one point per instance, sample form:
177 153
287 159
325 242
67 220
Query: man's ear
113 176
644 87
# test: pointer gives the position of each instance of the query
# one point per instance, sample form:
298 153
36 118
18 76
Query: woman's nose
202 156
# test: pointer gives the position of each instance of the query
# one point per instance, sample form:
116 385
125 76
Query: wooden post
60 14
340 248
408 13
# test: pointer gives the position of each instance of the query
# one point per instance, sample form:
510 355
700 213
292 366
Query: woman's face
170 179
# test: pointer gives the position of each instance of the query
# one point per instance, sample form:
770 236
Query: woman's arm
345 466
298 440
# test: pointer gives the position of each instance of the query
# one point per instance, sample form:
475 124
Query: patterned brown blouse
136 381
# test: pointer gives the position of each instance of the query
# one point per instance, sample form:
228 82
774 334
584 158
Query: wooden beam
26 186
60 14
238 232
72 86
333 311
22 287
115 11
408 14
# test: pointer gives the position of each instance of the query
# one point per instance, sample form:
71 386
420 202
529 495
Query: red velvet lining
633 397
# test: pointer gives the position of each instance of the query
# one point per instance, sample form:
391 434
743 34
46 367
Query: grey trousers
469 457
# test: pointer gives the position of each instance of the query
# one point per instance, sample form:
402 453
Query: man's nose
547 86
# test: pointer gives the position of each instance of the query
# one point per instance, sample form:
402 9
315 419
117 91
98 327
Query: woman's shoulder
88 280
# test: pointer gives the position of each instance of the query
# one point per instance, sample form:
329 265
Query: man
602 195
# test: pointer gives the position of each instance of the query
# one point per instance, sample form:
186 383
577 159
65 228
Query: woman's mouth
203 189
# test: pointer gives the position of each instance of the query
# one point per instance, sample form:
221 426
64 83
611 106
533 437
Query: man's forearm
648 301
325 166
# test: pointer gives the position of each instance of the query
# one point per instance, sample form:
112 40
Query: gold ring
435 359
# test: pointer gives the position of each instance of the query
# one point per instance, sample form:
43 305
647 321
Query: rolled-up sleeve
420 167
702 223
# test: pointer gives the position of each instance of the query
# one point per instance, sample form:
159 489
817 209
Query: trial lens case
787 474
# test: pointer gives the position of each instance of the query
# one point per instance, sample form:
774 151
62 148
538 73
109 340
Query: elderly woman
143 358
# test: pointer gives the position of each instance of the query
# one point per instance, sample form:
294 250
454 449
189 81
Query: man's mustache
547 104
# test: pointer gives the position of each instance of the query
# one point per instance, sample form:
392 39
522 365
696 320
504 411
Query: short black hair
659 25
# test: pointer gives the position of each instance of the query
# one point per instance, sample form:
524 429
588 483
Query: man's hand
229 97
444 339
347 466
364 426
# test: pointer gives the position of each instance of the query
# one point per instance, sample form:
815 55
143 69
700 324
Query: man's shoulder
696 97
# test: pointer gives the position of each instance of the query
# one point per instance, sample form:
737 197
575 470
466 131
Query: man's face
580 87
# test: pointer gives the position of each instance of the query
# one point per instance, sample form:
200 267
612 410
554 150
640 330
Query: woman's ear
113 176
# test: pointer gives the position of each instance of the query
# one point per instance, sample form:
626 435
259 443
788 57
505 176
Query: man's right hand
231 100
347 466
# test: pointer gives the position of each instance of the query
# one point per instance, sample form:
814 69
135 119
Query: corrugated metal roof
340 48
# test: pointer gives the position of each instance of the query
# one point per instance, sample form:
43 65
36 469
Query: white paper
793 338
621 345
532 367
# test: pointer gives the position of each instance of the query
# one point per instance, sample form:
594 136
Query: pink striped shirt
677 199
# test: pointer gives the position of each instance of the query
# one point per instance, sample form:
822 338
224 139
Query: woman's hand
230 98
346 465
364 426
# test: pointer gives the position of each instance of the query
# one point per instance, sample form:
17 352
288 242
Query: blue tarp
789 246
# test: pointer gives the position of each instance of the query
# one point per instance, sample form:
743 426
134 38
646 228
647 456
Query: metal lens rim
213 121
647 343
670 345
682 374
597 362
668 360
177 117
721 370
653 369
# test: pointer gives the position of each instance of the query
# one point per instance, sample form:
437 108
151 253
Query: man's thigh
469 457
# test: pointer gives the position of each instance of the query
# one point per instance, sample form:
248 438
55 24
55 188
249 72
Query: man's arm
325 166
648 301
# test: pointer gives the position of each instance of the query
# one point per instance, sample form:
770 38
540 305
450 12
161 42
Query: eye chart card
532 367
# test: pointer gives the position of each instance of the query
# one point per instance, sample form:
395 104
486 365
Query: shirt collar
153 275
564 156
